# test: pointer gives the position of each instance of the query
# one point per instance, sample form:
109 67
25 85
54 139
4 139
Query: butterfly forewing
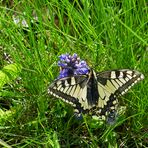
119 81
72 90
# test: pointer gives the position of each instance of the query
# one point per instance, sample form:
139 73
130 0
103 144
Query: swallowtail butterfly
95 93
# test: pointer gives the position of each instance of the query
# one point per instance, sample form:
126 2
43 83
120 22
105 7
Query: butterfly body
95 93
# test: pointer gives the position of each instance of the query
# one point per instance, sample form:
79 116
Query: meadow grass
107 34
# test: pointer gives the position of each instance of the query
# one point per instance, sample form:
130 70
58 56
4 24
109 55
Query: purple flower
75 55
72 65
62 64
63 73
81 71
63 57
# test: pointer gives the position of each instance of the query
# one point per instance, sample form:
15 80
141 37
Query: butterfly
95 93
